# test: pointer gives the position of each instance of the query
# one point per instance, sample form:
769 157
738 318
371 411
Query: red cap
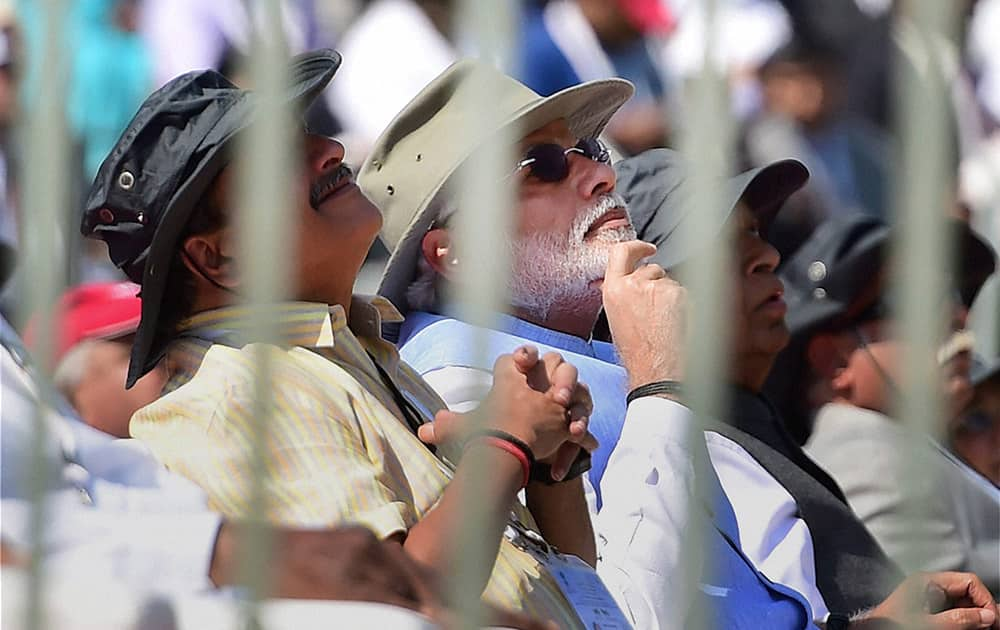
101 310
648 16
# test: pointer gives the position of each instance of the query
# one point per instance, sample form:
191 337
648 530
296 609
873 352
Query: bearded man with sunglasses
568 219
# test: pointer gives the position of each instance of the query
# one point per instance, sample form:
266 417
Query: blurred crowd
806 490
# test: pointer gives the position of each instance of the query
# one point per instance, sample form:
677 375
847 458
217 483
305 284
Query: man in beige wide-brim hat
431 138
409 175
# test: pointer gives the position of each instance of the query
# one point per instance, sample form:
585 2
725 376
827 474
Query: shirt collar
302 324
564 341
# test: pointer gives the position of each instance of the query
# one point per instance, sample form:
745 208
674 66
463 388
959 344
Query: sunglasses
550 162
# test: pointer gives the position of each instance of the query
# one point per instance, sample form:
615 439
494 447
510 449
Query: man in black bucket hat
343 441
843 365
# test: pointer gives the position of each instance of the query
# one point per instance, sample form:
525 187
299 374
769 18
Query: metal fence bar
922 248
43 253
266 219
486 213
706 142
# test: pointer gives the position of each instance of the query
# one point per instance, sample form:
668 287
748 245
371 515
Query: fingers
581 407
526 358
448 426
962 586
563 460
563 378
651 271
964 619
625 256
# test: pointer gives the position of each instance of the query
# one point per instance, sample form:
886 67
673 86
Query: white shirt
119 514
772 536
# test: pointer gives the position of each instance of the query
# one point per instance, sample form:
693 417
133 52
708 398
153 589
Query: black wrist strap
542 472
837 621
659 388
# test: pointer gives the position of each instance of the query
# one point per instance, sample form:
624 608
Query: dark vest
852 571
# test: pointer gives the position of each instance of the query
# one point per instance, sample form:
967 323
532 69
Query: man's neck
579 324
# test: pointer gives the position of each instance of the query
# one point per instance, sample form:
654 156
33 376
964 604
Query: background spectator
96 325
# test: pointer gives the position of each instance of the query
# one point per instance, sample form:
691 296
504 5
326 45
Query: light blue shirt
640 529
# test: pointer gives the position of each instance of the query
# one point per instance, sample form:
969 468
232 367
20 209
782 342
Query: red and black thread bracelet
513 445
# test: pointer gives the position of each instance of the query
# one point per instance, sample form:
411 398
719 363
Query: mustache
327 183
604 204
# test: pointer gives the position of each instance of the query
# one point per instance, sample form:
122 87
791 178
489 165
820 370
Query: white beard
551 269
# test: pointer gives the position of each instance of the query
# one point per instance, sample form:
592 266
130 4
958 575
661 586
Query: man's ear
438 252
828 361
205 255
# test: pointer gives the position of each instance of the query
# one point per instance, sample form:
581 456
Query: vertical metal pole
486 205
266 220
44 212
922 192
707 145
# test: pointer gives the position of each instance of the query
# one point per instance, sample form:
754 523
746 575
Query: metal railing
707 140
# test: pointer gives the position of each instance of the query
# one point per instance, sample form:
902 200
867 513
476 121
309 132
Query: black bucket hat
836 276
171 151
656 187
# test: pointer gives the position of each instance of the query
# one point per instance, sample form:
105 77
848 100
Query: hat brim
309 75
586 108
763 190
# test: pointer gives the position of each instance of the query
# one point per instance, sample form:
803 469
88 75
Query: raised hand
646 314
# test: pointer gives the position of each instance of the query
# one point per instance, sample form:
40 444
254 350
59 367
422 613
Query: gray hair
425 292
71 368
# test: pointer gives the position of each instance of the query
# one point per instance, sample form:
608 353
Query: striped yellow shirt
339 450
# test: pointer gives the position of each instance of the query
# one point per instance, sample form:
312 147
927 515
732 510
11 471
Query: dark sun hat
839 273
656 187
177 143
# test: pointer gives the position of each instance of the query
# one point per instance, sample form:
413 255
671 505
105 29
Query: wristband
507 442
542 472
659 388
837 621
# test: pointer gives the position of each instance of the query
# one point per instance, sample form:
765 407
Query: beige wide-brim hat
427 142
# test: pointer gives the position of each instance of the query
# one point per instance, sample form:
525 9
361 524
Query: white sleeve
461 388
648 488
772 535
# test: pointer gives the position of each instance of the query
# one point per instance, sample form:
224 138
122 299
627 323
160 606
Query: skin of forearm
560 510
432 541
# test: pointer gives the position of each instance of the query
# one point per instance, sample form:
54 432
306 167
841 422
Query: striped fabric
339 450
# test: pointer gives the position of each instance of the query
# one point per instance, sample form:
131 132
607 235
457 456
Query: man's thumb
445 428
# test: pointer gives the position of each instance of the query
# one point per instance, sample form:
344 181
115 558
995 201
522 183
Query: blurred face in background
975 436
98 392
806 93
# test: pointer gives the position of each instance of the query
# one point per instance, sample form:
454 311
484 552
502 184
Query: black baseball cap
174 147
656 186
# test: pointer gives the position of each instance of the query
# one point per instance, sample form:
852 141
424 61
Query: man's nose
765 257
595 178
323 154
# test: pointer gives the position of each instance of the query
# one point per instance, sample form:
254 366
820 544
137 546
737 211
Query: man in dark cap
851 571
343 439
847 377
